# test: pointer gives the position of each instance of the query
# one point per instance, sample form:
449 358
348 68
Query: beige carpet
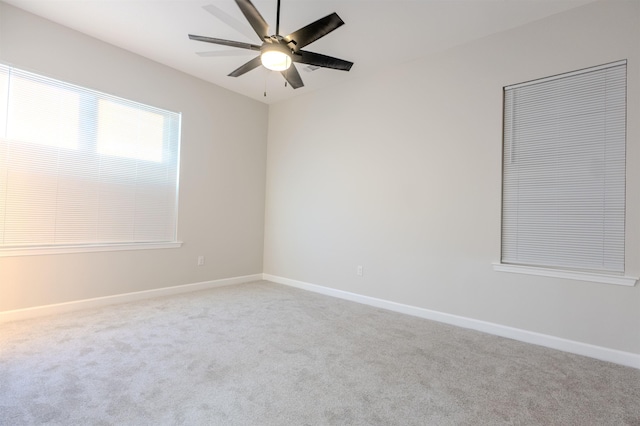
266 354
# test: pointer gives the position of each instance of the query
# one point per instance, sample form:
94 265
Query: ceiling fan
278 53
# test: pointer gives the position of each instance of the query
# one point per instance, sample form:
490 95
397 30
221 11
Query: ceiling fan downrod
278 19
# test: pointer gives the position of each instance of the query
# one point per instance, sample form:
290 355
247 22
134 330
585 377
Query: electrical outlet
200 260
359 270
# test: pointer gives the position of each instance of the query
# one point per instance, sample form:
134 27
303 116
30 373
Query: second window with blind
564 171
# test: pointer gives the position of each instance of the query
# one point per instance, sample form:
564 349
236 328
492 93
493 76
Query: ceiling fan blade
324 61
232 22
292 76
312 32
252 64
222 42
256 20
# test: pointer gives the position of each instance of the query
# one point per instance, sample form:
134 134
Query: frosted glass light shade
275 60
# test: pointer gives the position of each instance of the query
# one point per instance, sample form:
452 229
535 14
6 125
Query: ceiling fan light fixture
275 57
277 52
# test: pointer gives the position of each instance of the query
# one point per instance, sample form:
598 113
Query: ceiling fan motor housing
276 46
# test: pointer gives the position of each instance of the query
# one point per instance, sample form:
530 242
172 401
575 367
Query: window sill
571 275
84 248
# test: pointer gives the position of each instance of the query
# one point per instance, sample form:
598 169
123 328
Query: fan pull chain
265 85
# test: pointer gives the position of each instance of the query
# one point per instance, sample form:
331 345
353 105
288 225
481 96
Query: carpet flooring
266 354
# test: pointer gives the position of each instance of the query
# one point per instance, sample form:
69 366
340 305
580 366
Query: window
80 167
564 171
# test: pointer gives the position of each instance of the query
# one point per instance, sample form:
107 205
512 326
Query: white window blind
564 171
82 167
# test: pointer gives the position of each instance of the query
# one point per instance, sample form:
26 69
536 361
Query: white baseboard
58 308
605 354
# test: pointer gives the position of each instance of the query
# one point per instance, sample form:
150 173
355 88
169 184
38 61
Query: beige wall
401 173
221 210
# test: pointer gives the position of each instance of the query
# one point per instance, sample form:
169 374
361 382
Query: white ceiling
376 34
